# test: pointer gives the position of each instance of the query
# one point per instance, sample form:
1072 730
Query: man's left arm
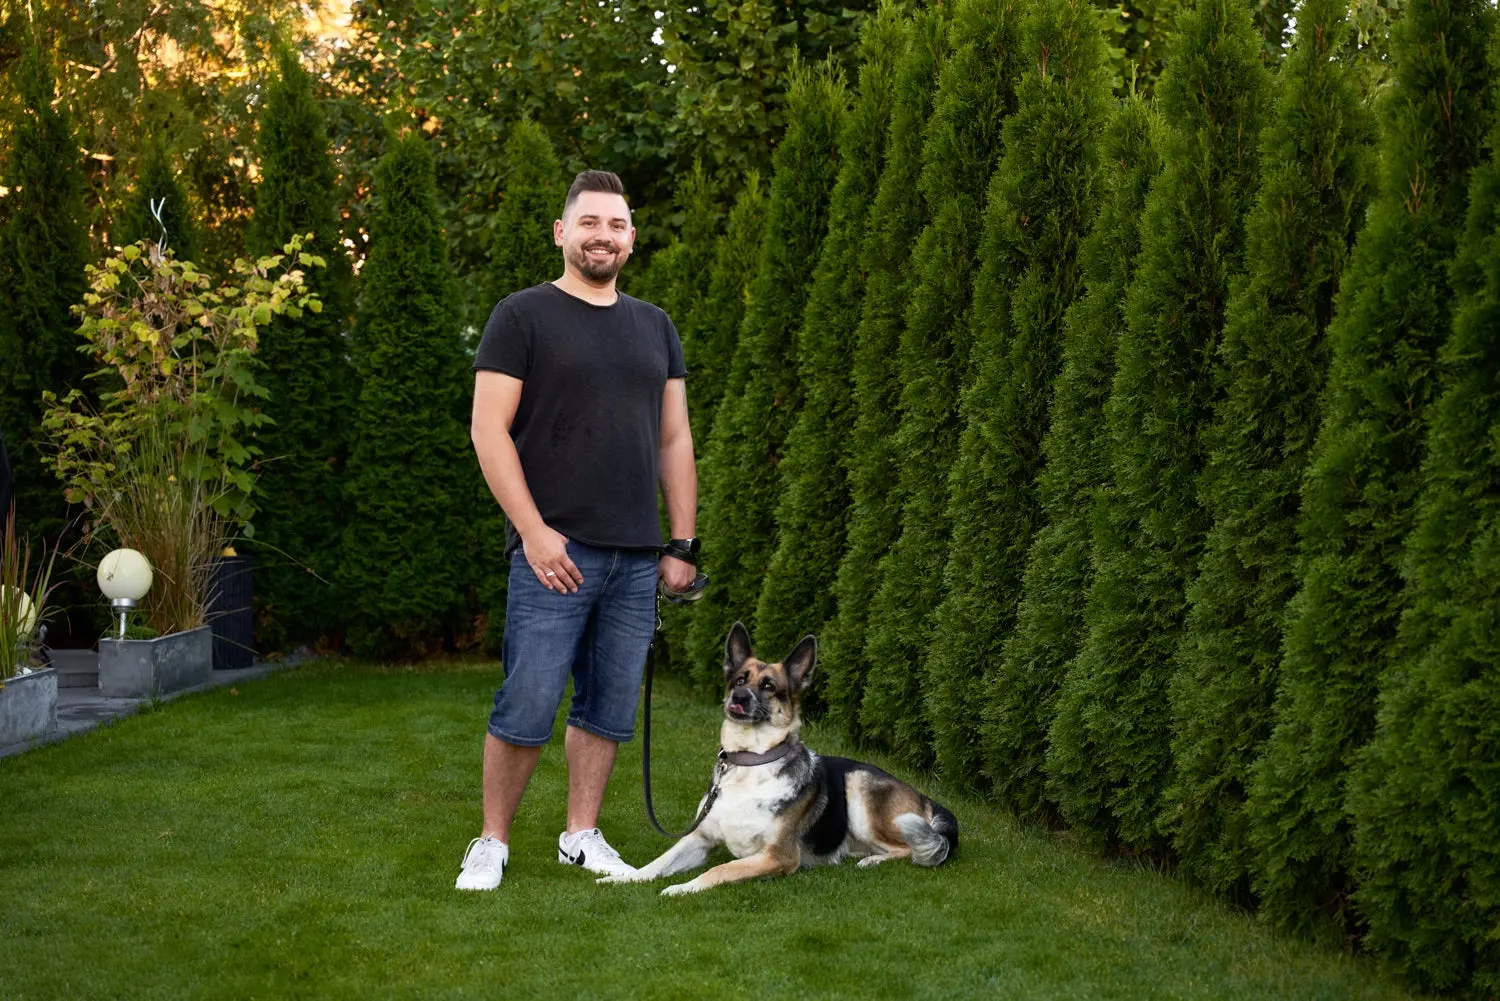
679 480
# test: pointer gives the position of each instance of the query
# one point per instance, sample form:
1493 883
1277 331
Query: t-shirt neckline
580 299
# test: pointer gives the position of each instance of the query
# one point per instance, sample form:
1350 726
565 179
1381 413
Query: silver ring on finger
551 573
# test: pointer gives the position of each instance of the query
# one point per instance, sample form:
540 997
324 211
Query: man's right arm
496 398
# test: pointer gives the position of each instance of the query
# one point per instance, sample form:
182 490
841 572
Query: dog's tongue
736 708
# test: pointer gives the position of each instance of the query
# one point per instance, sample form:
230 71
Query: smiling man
579 413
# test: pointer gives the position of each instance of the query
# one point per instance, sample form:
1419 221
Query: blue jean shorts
599 635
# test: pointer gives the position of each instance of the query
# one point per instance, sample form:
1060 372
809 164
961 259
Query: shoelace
487 855
598 846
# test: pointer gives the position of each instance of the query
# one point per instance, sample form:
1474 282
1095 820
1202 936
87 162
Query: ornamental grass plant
24 594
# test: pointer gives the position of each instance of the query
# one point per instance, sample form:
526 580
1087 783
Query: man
579 410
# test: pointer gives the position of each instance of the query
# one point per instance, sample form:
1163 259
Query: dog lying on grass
778 806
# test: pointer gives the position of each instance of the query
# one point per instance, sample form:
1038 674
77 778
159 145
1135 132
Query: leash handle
708 801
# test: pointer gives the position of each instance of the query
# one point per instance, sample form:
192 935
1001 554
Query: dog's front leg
689 853
772 860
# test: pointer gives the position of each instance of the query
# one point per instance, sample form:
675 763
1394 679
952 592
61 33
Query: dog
778 806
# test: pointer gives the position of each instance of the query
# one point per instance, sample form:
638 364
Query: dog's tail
931 841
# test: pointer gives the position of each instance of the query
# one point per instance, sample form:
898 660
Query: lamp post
124 577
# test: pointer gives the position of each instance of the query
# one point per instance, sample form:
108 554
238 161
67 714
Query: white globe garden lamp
124 577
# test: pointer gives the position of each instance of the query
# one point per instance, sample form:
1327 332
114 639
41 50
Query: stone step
76 668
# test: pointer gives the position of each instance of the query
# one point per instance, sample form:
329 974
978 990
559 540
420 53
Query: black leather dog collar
776 753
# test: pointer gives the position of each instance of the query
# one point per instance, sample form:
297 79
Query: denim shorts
599 635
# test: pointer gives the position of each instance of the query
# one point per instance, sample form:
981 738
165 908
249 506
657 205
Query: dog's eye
768 685
741 680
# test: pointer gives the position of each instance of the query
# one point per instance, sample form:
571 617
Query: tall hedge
975 95
1021 694
300 489
680 271
531 197
43 250
896 220
1041 200
157 183
797 596
1110 752
1424 794
409 472
1393 312
738 478
1317 180
709 328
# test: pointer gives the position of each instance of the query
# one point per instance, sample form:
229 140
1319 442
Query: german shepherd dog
778 806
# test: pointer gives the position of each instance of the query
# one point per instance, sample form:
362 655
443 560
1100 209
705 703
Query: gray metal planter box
139 669
28 706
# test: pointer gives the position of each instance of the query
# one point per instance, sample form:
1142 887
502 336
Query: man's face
595 235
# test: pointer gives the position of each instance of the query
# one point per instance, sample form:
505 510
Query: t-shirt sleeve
676 366
506 343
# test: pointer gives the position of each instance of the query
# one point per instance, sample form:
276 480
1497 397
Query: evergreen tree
1423 795
1049 619
896 221
43 251
739 466
533 192
409 470
680 271
299 491
975 94
1318 157
709 329
1394 309
157 184
1040 202
796 597
1109 765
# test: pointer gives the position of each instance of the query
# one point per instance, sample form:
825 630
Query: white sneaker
589 850
484 864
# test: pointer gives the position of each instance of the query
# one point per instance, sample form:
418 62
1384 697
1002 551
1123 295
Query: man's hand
547 552
677 575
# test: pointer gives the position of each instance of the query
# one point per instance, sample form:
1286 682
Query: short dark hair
593 180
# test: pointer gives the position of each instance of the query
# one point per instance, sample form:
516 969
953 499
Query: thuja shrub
1041 200
531 197
975 95
1110 763
738 476
157 193
795 598
1394 310
1317 156
868 458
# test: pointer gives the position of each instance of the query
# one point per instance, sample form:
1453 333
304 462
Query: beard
596 271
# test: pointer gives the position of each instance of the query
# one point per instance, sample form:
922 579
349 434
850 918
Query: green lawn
299 837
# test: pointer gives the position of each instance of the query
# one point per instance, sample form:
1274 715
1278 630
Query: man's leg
591 758
507 770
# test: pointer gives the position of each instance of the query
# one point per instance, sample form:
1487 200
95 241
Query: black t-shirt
588 427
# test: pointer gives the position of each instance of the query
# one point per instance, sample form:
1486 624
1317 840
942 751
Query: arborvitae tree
409 482
1423 795
1317 178
896 220
1394 310
681 270
532 197
299 527
1041 201
1109 764
43 250
1049 620
975 95
739 478
796 597
709 329
158 184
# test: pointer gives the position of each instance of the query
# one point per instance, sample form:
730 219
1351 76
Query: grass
299 837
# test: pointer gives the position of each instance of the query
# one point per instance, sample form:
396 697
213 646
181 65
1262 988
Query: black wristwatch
685 550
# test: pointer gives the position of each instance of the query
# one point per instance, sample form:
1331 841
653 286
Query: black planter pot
230 614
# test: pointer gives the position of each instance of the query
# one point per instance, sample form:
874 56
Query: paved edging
80 710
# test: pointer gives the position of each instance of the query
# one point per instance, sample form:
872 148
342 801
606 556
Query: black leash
693 593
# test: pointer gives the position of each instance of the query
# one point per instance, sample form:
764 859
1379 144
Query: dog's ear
800 662
736 649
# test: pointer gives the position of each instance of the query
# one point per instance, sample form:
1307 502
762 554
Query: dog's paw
872 860
629 877
678 889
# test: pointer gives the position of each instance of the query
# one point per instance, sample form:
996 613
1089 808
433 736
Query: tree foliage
1041 199
975 94
157 189
795 598
1318 161
1393 312
1110 755
532 191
